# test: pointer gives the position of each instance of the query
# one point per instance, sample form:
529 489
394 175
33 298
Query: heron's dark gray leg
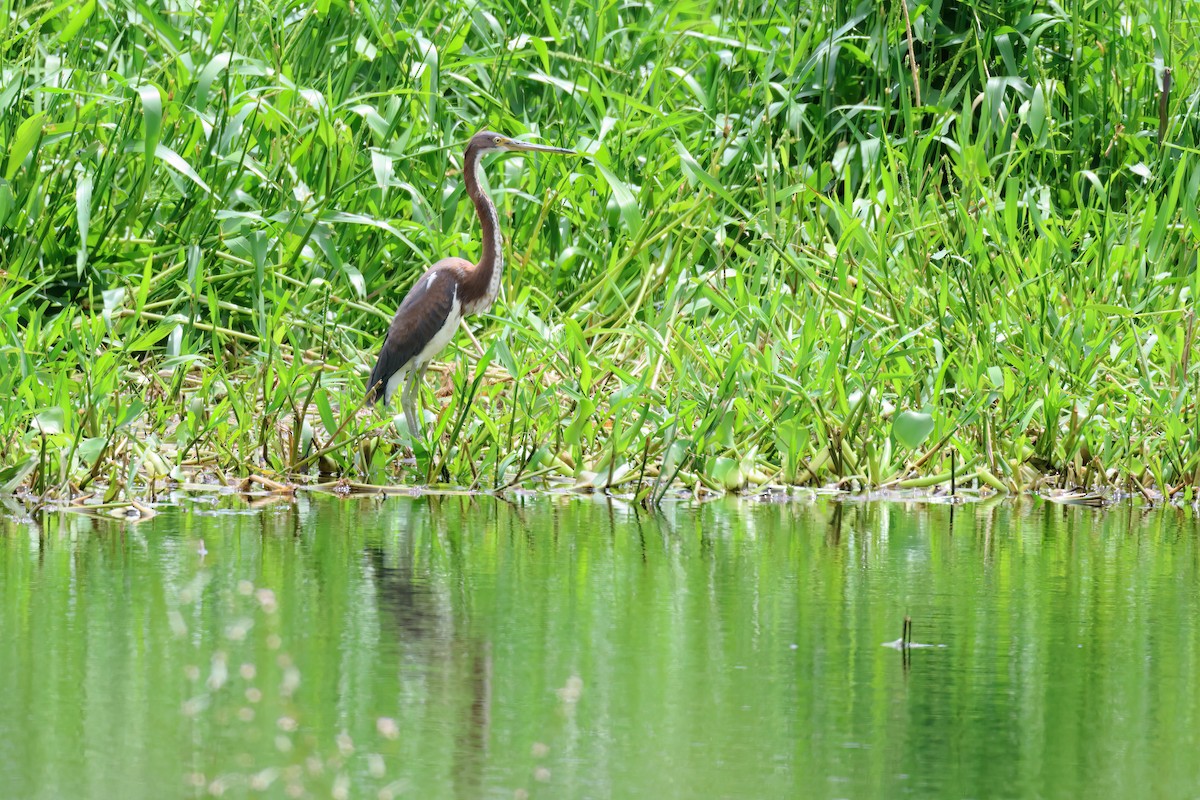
408 401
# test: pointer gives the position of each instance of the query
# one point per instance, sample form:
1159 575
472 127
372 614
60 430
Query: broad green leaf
176 162
675 455
152 114
50 422
28 133
583 415
500 347
77 21
132 412
90 449
204 82
631 215
7 200
382 166
326 412
12 477
727 472
912 428
151 337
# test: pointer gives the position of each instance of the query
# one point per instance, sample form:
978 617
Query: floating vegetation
963 255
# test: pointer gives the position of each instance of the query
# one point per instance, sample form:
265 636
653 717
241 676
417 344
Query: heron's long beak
536 148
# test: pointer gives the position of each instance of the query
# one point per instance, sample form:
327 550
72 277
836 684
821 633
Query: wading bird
452 289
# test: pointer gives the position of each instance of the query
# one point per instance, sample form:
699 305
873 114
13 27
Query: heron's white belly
436 345
442 338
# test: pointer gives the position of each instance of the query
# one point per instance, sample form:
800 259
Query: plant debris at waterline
848 250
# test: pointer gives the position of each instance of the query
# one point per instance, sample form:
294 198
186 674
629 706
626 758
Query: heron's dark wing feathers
421 315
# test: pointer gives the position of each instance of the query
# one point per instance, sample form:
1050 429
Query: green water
562 648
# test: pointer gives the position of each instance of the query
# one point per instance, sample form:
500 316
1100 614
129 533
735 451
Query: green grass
783 262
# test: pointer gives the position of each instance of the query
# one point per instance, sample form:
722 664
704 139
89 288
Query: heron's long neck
484 282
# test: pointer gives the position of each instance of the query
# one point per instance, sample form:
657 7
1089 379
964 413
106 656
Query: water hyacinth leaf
12 477
306 438
326 412
675 455
583 414
631 215
912 428
91 449
132 413
791 439
727 473
50 422
28 133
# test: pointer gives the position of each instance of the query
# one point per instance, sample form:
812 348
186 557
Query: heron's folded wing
422 314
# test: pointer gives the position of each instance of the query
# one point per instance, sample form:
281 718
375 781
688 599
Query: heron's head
487 141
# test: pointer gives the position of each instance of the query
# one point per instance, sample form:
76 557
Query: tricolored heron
450 290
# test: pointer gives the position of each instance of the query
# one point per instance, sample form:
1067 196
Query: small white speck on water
274 642
283 744
290 683
245 588
219 672
178 626
375 765
247 671
341 787
387 728
193 705
253 695
217 787
288 724
794 646
266 599
541 775
571 693
202 551
345 744
314 765
263 780
540 750
236 632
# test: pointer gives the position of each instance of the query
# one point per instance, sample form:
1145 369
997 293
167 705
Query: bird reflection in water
435 643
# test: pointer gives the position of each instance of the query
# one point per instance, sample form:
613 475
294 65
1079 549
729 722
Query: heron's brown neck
481 286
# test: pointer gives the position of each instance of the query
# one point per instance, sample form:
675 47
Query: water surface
564 647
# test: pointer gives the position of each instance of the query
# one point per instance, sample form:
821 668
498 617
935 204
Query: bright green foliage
785 234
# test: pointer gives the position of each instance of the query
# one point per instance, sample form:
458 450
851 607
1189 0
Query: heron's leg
408 401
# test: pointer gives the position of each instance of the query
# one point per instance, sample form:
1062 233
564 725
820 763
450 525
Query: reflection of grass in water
827 251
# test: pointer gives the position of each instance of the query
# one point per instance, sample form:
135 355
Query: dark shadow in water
834 536
437 638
